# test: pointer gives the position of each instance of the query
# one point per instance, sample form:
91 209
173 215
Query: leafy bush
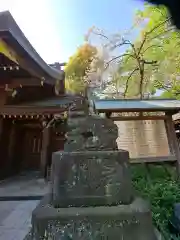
158 184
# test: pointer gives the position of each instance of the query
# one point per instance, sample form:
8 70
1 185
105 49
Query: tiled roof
134 104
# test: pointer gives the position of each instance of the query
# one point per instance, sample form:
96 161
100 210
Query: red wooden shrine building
31 93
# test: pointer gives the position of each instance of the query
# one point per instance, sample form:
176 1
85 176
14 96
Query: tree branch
163 86
132 45
127 81
124 42
149 32
161 34
102 35
159 25
150 47
115 58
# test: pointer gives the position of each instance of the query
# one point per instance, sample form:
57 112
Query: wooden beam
31 110
21 82
132 118
154 159
140 110
25 82
168 134
173 142
34 70
32 125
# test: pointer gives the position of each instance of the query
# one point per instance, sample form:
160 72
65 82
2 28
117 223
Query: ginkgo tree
77 68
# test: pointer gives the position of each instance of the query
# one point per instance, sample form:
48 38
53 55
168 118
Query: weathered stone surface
91 178
106 222
91 133
91 195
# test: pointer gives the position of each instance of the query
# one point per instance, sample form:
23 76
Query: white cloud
35 18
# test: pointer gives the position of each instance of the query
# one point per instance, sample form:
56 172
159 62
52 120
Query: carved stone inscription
106 222
92 174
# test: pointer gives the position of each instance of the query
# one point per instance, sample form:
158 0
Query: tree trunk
141 80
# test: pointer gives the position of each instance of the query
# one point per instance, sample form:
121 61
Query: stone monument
91 193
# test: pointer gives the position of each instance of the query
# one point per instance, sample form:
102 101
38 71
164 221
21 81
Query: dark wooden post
172 139
46 141
168 134
1 125
11 145
1 149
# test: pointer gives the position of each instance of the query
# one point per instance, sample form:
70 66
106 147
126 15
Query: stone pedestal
91 178
128 222
91 195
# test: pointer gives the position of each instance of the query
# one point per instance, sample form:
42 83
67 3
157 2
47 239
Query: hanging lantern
11 68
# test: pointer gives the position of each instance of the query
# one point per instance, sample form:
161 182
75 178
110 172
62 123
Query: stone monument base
91 178
128 222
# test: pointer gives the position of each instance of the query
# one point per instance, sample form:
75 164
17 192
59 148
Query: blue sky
58 26
75 17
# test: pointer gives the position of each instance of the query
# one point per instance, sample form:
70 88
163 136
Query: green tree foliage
78 67
167 74
153 60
